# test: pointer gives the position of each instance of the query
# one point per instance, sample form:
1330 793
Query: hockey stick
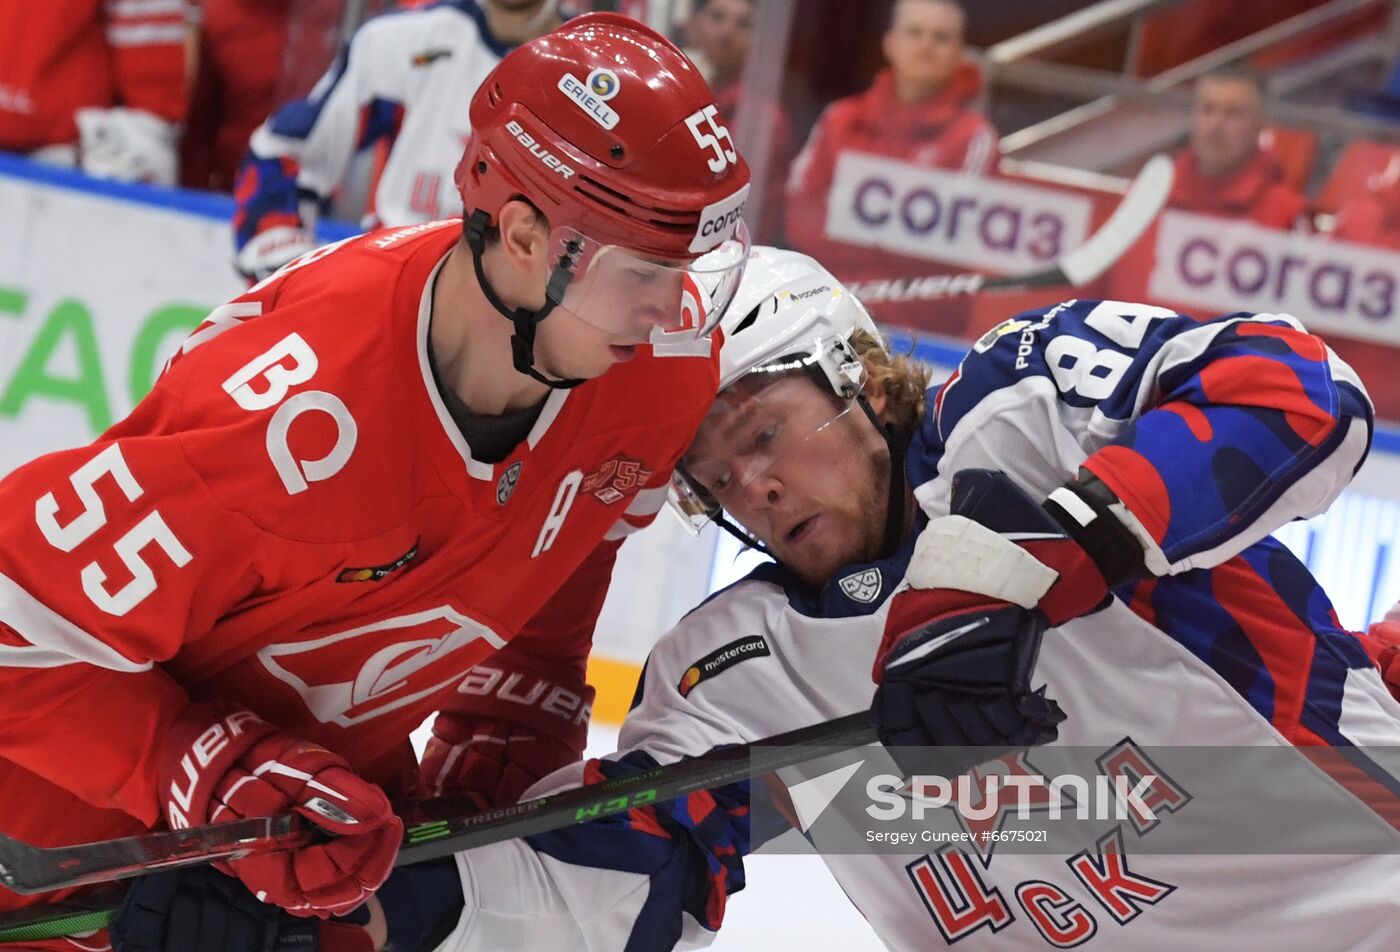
1144 200
432 829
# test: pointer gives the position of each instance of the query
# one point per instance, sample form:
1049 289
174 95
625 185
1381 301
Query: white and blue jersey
405 79
1213 434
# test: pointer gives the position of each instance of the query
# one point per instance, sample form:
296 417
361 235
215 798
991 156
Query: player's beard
878 501
860 512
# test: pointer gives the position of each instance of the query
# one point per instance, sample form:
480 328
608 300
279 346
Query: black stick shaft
432 829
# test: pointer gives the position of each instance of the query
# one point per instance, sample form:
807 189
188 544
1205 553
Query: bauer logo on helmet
547 158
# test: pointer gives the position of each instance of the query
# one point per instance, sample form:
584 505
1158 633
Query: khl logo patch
862 586
505 486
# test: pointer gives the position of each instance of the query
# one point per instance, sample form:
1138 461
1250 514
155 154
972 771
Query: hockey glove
202 908
269 250
962 680
1382 643
513 721
960 645
223 763
129 145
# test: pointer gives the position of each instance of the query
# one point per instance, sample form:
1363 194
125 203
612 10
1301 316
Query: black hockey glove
201 908
960 646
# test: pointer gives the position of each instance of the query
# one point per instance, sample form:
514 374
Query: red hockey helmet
611 132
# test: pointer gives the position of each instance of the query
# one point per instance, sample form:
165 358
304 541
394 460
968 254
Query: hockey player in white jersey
1213 634
402 82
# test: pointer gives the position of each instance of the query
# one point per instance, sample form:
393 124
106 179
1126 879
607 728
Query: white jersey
405 78
1155 668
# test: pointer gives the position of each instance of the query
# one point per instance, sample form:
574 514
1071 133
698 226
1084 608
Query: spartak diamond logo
349 677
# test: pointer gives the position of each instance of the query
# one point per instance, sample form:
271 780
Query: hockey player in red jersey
357 480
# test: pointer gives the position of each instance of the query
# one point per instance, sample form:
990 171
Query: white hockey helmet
785 302
788 315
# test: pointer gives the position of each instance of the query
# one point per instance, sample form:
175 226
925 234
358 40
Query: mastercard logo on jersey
720 660
375 573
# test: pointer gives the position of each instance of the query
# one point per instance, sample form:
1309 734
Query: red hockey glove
513 721
1382 643
223 762
960 646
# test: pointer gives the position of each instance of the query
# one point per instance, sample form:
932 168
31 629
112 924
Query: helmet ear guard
843 370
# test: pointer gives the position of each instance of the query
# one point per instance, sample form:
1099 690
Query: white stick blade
1140 206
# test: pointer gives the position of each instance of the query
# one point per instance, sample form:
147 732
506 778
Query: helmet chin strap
894 504
525 321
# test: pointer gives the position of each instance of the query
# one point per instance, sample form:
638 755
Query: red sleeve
149 43
537 683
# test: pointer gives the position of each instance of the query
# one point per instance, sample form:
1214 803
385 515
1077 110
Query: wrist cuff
1082 508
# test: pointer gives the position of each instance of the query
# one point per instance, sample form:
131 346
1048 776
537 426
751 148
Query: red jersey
944 132
62 55
1254 191
241 49
291 520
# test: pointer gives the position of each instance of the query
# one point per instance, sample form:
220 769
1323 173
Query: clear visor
763 418
631 295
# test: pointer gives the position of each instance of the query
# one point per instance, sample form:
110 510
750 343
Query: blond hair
902 379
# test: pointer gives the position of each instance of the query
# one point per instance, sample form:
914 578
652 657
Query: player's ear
524 235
